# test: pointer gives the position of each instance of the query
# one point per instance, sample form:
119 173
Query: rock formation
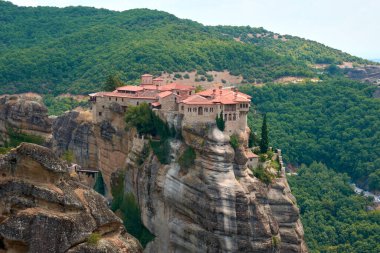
45 209
23 113
217 205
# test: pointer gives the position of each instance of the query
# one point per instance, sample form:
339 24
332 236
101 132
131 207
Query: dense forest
335 122
335 219
74 49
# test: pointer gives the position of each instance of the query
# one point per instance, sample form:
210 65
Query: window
229 117
103 106
182 108
206 109
100 113
188 109
177 92
211 109
116 99
234 116
225 116
110 98
189 92
194 109
122 100
137 103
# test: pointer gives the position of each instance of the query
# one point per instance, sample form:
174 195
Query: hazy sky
350 25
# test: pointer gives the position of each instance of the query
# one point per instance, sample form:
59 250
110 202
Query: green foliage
177 75
68 156
263 175
131 215
58 105
94 239
99 184
199 88
161 149
220 123
252 139
374 181
186 160
16 137
74 49
186 76
234 141
112 82
147 122
335 219
264 141
335 122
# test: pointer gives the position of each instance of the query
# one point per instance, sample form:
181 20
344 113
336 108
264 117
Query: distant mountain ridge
74 49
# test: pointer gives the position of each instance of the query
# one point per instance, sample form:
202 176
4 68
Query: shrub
270 154
99 184
234 141
186 76
162 150
263 175
178 75
224 81
186 160
262 158
94 238
68 156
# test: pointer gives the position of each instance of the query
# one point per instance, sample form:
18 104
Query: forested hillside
335 122
335 219
74 49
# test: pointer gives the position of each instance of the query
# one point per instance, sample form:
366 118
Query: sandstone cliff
45 209
214 206
23 113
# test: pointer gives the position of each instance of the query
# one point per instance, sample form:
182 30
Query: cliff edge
44 208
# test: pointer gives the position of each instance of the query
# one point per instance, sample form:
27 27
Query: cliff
24 113
216 205
45 209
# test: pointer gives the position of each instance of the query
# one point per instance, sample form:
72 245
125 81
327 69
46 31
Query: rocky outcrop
214 206
45 209
103 146
217 205
23 113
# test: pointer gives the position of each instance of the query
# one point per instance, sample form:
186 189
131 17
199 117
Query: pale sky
349 25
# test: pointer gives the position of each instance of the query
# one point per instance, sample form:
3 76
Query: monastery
172 98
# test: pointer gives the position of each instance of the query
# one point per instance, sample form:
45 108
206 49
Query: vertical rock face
44 209
25 113
103 146
216 205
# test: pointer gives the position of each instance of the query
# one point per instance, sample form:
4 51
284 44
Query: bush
262 158
186 160
263 175
162 150
68 156
186 76
94 238
178 75
220 123
234 141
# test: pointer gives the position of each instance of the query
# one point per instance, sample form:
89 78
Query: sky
352 26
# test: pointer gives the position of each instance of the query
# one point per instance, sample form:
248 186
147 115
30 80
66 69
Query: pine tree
220 122
112 82
264 143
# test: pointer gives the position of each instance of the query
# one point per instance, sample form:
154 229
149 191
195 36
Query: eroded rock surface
23 113
45 209
216 205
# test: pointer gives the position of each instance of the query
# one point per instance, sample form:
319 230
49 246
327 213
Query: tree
251 139
220 123
112 82
99 184
264 142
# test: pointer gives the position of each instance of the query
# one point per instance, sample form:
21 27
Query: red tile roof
164 94
155 104
130 88
175 86
250 154
219 96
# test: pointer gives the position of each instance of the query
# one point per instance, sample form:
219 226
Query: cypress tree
251 139
220 122
264 143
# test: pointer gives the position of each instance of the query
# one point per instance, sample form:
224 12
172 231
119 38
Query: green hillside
74 49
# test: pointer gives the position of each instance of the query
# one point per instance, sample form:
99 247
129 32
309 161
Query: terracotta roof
175 86
250 154
219 96
149 86
147 75
196 99
155 104
125 95
158 79
130 88
164 94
